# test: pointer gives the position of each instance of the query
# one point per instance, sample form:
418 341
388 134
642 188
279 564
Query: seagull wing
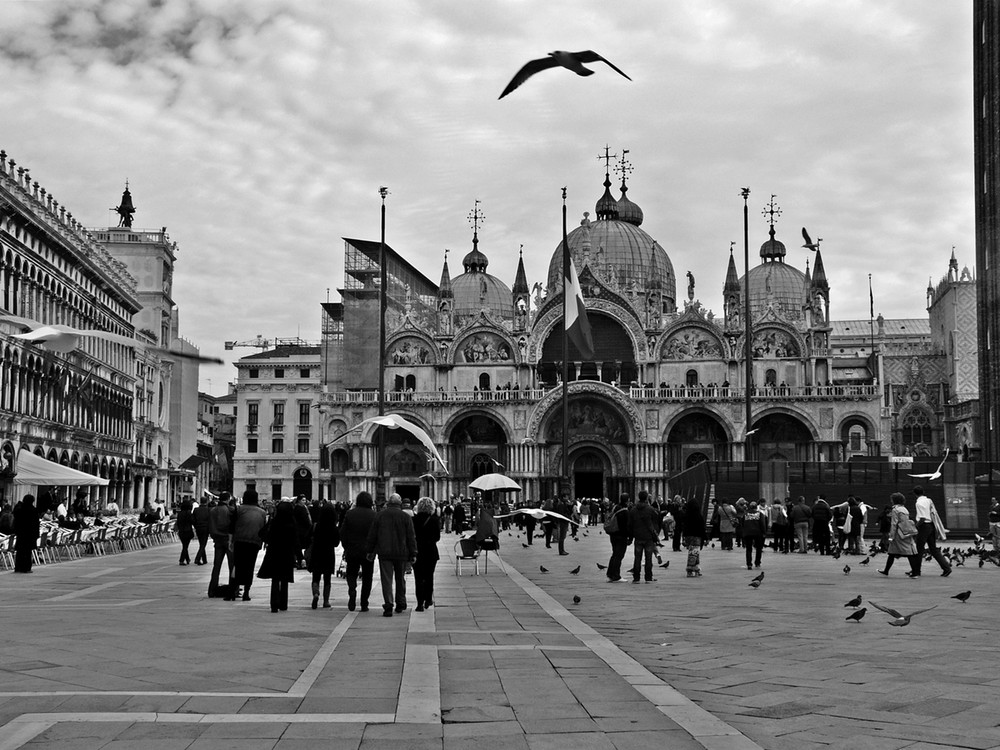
919 611
17 319
806 237
173 354
419 433
529 69
589 56
887 610
50 337
940 465
935 475
107 336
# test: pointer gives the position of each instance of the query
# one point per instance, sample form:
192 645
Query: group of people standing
296 535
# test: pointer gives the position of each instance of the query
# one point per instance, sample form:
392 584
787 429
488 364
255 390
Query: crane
262 343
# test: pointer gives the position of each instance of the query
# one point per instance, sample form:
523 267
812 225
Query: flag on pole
577 325
871 297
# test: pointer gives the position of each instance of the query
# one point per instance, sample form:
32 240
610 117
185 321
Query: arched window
917 429
484 381
692 378
411 382
771 378
480 464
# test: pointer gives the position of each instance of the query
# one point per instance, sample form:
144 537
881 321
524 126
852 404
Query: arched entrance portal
302 482
695 438
589 469
782 437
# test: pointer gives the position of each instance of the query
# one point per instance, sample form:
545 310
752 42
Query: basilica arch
542 412
695 435
783 434
616 352
858 436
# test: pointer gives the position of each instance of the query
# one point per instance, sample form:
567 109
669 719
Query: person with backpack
617 529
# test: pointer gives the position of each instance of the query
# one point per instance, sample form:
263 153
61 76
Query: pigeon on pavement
963 597
855 602
856 616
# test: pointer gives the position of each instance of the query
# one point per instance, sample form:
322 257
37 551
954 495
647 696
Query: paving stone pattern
136 656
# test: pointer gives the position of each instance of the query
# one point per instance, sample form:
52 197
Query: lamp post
748 378
382 302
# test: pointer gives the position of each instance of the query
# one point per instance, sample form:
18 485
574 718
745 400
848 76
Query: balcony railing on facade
665 394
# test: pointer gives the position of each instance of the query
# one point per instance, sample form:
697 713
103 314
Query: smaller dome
475 260
627 210
772 248
607 206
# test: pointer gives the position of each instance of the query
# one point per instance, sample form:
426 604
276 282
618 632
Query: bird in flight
856 616
937 472
901 619
810 245
395 422
569 60
539 515
63 339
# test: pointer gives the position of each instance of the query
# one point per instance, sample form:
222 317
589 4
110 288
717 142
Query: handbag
906 529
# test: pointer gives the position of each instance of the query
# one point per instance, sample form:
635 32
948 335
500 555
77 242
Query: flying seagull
538 514
901 619
937 472
394 422
569 60
810 245
60 338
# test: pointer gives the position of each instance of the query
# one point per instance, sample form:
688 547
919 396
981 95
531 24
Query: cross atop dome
475 217
475 261
624 167
772 250
607 157
772 211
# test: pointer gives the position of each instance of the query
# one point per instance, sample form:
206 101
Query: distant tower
986 139
125 209
445 301
521 293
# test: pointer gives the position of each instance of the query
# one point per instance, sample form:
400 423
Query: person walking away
644 526
799 518
548 523
741 511
458 517
754 530
446 514
282 538
529 522
693 528
304 523
394 541
778 523
199 519
322 558
854 532
619 536
428 533
821 517
899 545
354 528
27 525
676 509
727 524
248 522
563 508
993 518
220 528
184 526
929 530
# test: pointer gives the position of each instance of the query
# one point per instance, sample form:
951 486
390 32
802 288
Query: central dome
621 249
775 284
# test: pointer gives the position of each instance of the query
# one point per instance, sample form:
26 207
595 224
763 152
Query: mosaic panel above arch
772 342
410 350
613 397
692 342
484 347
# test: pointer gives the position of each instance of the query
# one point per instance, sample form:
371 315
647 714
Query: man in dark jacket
821 517
393 539
26 528
644 526
220 528
354 530
199 516
248 521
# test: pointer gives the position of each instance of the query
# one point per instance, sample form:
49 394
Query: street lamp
748 353
382 302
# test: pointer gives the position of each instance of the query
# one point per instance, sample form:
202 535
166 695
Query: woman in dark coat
323 556
428 531
184 526
282 539
26 528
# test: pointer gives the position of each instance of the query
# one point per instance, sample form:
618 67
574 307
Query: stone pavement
127 652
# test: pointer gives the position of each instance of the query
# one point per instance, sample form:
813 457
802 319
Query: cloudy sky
259 131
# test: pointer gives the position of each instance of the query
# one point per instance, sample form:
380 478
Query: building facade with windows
278 426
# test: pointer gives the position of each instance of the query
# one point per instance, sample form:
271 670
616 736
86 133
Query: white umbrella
494 482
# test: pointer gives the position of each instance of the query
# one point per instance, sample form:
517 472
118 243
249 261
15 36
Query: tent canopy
35 470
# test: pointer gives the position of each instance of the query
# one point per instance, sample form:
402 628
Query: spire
444 288
607 206
807 283
520 278
125 209
819 274
732 284
772 250
475 261
627 210
953 266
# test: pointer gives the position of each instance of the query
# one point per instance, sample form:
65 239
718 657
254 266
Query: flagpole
565 356
871 317
382 305
748 331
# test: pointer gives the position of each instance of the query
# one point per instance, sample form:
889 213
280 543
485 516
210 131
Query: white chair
467 550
